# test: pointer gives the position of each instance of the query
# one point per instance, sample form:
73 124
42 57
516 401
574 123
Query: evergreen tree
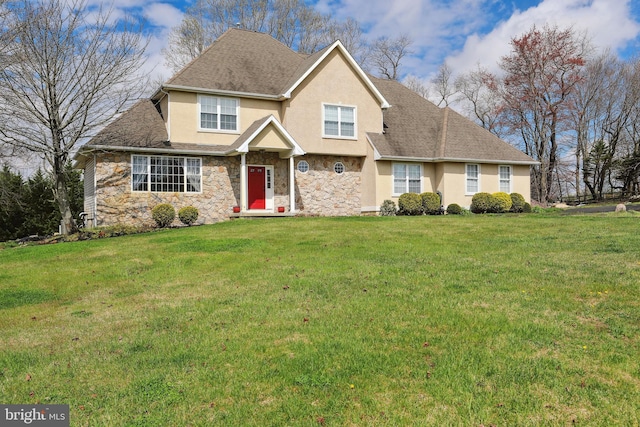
11 206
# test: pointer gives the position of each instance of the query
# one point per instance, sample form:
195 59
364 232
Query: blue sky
465 33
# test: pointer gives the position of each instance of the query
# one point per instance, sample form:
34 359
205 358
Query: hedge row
430 204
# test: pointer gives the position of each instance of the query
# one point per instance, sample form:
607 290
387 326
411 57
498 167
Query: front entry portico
257 181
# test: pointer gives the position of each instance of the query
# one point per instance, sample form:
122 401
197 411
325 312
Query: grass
503 320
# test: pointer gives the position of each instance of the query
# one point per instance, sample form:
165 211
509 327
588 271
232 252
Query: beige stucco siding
269 139
384 180
454 182
450 179
521 182
332 82
369 184
184 121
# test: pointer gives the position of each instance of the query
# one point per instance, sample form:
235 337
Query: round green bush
388 208
188 215
430 203
526 208
481 203
163 214
501 202
454 209
517 202
410 204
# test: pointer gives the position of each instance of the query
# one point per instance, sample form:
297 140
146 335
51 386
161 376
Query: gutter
93 148
224 92
457 160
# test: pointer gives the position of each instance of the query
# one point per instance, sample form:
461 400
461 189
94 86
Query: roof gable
252 135
314 61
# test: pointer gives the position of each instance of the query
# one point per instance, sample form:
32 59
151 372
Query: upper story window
166 174
218 113
339 121
472 173
504 173
407 178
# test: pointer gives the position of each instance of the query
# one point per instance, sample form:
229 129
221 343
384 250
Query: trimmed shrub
526 208
454 209
163 214
517 202
481 203
410 204
188 215
388 208
430 203
501 202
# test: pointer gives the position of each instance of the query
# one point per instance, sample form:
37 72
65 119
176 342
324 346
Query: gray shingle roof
415 128
140 126
258 64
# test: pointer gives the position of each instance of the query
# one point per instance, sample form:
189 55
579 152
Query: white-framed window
160 174
407 178
472 173
338 168
217 113
504 173
339 121
303 166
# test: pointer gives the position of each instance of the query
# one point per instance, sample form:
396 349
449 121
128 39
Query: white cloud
437 27
608 23
162 15
471 32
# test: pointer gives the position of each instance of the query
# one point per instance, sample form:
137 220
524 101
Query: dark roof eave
172 150
266 96
456 160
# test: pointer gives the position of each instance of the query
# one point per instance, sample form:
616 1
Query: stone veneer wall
117 204
321 191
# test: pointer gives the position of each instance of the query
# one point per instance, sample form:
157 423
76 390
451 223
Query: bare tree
607 103
387 54
443 85
350 35
479 96
189 38
415 84
70 72
541 72
293 22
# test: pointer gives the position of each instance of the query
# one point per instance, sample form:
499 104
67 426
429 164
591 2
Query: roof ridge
445 128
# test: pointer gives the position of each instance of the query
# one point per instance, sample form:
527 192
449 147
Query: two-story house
254 127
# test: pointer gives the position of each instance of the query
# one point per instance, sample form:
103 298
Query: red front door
256 193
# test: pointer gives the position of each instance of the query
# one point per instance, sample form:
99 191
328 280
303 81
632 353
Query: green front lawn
504 320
